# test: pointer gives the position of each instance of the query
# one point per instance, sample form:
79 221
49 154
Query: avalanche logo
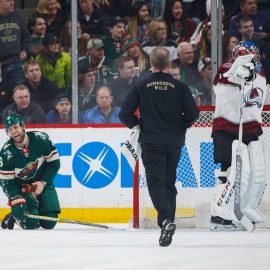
95 165
254 97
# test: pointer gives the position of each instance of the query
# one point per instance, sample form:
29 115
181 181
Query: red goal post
195 178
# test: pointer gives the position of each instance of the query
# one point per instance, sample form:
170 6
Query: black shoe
167 231
8 222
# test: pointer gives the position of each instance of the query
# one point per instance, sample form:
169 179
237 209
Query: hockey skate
8 222
220 224
167 231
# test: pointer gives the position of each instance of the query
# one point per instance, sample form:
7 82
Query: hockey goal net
195 179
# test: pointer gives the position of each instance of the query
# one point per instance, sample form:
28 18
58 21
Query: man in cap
204 85
61 114
27 173
105 67
114 42
87 86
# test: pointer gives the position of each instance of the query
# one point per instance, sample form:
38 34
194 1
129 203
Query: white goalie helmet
248 47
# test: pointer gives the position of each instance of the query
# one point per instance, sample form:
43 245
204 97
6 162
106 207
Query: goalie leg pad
223 203
254 193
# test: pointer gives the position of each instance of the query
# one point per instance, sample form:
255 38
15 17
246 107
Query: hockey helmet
13 119
248 47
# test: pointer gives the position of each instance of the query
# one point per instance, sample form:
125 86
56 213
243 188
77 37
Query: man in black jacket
43 91
167 109
14 43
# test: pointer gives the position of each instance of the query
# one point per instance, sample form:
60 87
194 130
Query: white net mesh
195 176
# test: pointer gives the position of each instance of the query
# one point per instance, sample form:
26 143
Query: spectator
105 67
42 90
14 43
55 17
246 29
37 26
90 18
157 8
66 36
180 28
175 72
204 46
104 112
61 114
126 80
158 37
204 85
261 20
187 64
141 59
228 44
31 111
87 86
55 64
195 9
139 20
5 95
114 42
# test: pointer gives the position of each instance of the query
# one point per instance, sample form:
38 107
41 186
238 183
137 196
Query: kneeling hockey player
28 164
240 94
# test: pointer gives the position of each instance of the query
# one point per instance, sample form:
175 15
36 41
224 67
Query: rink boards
95 182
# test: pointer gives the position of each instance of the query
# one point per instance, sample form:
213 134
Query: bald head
185 53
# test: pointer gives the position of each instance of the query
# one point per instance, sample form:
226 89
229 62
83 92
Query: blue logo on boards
95 165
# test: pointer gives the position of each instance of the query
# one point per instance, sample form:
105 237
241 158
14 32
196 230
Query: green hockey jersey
38 161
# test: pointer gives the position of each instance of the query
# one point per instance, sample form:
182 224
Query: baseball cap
95 43
49 39
204 62
85 68
62 97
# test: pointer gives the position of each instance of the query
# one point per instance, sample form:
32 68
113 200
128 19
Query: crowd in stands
115 39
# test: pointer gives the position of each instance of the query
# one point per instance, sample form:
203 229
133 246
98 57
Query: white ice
80 247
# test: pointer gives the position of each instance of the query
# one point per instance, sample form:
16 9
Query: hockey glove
18 209
245 72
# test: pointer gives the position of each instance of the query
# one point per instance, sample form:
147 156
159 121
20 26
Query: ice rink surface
80 247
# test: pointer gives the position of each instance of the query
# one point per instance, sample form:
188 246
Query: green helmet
13 119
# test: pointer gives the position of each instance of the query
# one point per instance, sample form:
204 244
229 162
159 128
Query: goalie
28 164
233 78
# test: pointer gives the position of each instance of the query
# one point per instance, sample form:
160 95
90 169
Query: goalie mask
247 47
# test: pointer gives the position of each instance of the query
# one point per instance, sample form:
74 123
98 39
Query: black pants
223 145
160 162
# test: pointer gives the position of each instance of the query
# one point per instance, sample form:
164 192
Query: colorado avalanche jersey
228 100
39 160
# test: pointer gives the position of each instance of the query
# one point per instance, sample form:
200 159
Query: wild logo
29 170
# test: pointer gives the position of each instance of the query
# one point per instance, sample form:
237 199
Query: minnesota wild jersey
38 161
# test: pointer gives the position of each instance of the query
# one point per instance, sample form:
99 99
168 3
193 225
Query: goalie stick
238 171
74 222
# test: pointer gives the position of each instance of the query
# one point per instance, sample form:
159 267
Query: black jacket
44 94
166 108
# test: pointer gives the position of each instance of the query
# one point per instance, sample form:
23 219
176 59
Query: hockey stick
238 171
74 222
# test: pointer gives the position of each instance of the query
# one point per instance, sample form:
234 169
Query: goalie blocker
252 184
